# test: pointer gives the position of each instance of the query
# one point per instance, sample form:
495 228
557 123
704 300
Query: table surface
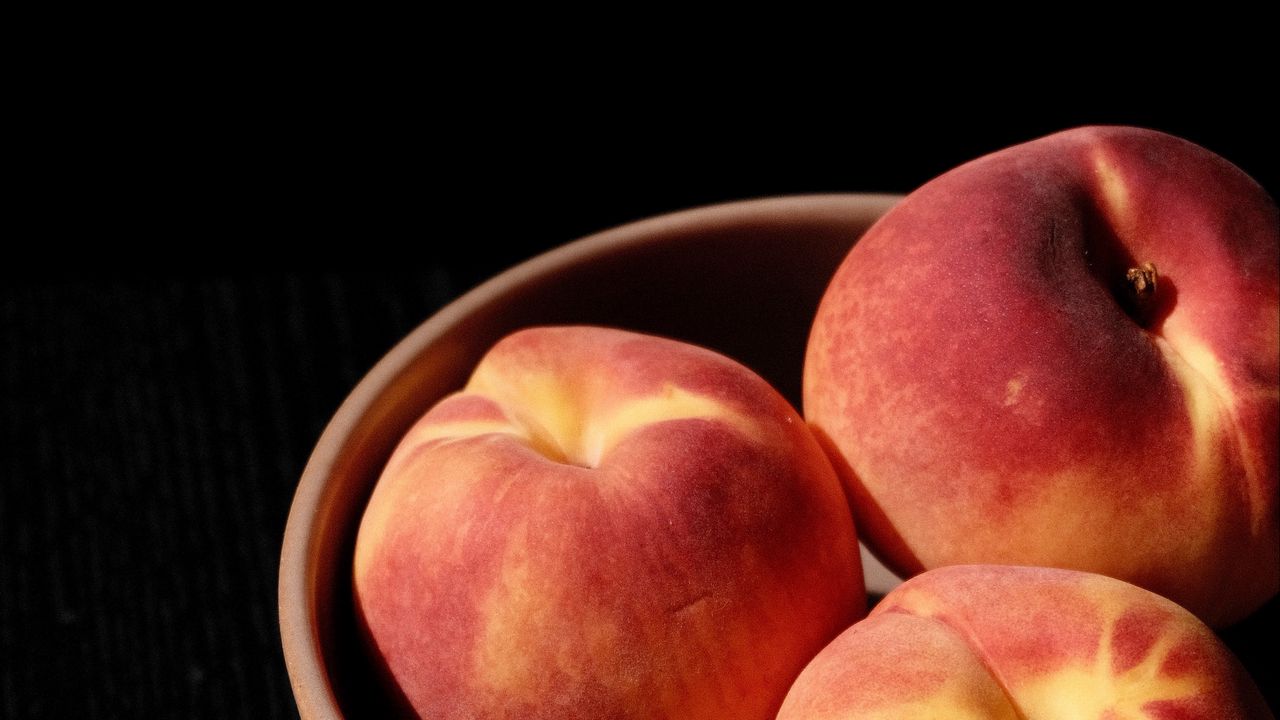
154 423
160 429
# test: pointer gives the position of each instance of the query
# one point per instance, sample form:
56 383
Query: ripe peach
1066 353
605 524
991 641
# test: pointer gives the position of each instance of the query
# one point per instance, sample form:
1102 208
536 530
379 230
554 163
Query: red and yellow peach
1066 353
1012 642
605 524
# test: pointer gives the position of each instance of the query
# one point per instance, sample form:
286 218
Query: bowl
741 278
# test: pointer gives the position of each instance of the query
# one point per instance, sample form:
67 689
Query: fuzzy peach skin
993 389
604 524
1024 643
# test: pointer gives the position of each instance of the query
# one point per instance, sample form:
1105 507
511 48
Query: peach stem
1142 289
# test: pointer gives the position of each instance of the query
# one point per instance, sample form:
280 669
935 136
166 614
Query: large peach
1024 642
1066 353
605 524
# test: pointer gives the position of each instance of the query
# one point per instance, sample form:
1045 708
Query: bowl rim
299 557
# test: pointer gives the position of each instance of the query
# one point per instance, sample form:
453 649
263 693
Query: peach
992 641
1066 353
605 524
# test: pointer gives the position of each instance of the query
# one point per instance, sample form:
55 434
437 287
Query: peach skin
605 524
1066 353
997 642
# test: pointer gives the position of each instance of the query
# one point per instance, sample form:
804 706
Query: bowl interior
743 278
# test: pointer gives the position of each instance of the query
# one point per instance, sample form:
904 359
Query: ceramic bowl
742 278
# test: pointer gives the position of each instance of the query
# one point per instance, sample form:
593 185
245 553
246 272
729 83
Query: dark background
212 265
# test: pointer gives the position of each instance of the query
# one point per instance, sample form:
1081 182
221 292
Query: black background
208 262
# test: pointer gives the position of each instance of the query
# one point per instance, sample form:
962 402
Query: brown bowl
741 278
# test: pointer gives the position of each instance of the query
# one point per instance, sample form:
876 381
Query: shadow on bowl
742 278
